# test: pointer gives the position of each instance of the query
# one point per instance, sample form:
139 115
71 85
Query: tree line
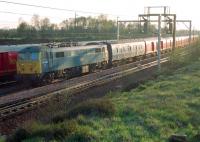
40 30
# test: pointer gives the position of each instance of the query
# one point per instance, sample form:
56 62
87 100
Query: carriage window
98 50
130 48
59 54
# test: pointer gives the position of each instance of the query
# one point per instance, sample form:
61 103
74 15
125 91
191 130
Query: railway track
10 87
6 83
7 86
42 94
26 100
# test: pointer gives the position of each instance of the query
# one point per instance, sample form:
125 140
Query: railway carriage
185 41
182 41
151 47
126 51
7 64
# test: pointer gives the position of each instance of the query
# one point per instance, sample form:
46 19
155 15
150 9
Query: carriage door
152 46
49 60
161 45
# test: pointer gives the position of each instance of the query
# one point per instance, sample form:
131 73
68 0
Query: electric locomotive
46 63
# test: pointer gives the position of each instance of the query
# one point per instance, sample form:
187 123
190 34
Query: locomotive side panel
63 59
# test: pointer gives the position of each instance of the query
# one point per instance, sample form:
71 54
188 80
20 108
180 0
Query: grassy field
152 112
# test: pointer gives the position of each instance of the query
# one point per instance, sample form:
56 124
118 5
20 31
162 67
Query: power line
15 13
24 14
54 8
31 15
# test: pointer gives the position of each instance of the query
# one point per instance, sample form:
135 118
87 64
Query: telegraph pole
174 33
117 29
75 21
159 39
190 32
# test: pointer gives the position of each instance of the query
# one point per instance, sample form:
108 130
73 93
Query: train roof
37 48
31 48
6 48
86 45
78 48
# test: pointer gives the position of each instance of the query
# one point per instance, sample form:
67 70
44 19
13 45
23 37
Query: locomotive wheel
48 78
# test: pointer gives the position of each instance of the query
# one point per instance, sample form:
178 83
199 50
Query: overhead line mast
169 19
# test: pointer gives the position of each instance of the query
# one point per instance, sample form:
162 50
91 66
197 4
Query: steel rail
27 104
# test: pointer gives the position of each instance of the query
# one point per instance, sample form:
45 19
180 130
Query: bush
44 132
196 138
54 131
2 139
19 135
36 139
82 135
99 107
59 118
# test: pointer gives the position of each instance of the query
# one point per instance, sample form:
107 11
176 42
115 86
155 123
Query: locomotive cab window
59 54
28 56
34 56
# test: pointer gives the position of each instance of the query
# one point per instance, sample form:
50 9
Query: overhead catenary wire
15 13
59 9
25 14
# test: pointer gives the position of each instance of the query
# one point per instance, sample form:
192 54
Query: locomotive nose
30 67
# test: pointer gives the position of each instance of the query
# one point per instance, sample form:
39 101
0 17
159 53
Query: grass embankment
152 112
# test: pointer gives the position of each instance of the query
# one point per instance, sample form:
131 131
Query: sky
124 9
